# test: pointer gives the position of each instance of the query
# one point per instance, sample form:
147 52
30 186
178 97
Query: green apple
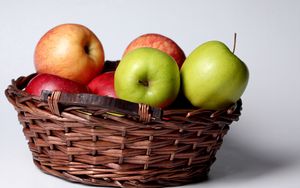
148 76
213 77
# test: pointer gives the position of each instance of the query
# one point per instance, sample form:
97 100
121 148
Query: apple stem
144 83
234 42
86 49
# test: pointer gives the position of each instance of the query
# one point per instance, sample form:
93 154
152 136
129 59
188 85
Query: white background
261 150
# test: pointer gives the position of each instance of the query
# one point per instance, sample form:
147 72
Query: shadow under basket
102 141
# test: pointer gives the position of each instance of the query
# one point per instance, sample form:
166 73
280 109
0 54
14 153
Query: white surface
261 150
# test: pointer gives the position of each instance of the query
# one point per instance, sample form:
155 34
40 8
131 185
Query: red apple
71 51
51 82
103 84
160 42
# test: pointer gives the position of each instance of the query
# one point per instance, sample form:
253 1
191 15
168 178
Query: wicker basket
102 141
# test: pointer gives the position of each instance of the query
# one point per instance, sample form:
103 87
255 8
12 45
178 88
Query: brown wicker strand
144 113
53 102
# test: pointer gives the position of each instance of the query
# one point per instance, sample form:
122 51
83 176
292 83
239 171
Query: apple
103 84
213 77
148 76
71 51
52 82
160 42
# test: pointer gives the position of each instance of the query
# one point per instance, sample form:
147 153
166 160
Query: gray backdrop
261 150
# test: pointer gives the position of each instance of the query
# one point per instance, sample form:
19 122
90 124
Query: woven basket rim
18 85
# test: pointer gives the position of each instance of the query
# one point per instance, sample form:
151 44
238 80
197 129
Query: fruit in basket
160 42
103 84
52 82
149 76
71 51
213 77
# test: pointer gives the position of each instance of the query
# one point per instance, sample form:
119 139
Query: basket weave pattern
93 146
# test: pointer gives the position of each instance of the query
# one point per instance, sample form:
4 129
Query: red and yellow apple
160 42
103 84
51 82
71 51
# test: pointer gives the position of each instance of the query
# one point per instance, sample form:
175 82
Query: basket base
196 178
